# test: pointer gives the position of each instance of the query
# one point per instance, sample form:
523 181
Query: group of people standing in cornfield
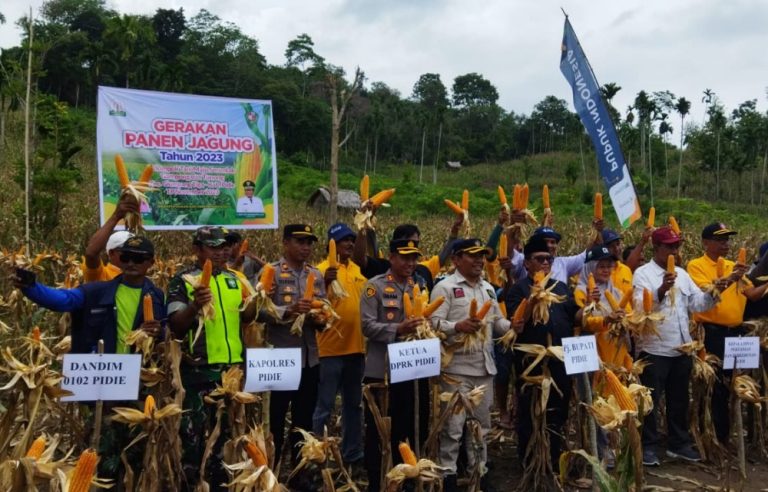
500 308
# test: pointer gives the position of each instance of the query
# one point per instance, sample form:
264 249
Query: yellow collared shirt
730 310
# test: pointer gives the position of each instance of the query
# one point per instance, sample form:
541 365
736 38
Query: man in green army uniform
383 320
219 346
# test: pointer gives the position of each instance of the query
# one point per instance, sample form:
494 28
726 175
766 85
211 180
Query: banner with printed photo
213 158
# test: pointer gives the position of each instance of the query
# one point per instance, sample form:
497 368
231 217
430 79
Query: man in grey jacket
472 364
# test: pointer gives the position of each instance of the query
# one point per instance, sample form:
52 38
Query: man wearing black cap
291 272
562 317
725 319
342 350
474 366
675 295
383 320
218 346
249 204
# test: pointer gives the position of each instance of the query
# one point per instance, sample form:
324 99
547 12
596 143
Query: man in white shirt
249 204
563 267
674 296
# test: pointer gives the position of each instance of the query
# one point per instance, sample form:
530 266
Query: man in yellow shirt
341 349
725 319
94 270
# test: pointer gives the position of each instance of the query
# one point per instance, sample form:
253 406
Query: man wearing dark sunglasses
108 310
562 317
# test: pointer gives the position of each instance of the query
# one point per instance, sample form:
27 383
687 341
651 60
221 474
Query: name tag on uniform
232 283
458 292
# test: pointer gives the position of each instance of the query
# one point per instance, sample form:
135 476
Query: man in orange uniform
725 319
341 349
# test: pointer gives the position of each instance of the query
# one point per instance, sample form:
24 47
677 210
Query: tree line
81 44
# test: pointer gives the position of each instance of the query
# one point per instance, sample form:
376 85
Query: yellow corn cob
149 405
702 354
516 197
647 301
673 224
614 387
599 206
720 267
146 174
626 299
473 308
122 173
591 284
520 311
316 304
309 290
267 278
611 300
502 196
483 310
382 197
545 196
455 208
36 334
741 259
333 262
503 309
36 449
503 246
671 264
407 305
432 306
254 452
418 302
465 200
524 194
651 217
243 247
83 472
364 188
539 277
148 310
205 276
409 458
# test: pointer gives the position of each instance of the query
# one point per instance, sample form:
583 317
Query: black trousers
557 409
669 376
402 412
714 342
302 403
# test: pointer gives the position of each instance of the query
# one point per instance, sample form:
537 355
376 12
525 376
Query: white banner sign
93 377
580 354
272 369
742 353
414 360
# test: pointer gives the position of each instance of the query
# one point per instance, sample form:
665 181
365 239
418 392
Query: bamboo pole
26 135
98 412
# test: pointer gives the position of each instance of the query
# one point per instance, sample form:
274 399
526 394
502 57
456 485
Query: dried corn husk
542 299
207 313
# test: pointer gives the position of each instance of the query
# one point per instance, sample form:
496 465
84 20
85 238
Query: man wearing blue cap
341 350
621 278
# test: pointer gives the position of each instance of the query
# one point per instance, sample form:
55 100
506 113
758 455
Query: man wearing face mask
219 345
383 319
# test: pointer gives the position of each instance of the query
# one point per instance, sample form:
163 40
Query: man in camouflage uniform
383 319
291 272
218 347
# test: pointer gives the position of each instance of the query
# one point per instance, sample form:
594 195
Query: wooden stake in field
26 134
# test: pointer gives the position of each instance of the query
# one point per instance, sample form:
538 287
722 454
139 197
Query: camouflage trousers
197 423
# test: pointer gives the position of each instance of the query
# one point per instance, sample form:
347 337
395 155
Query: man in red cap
668 371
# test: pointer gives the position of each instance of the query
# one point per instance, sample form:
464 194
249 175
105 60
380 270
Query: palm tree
664 129
609 91
709 94
683 106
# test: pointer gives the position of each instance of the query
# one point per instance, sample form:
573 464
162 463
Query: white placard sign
106 377
414 360
580 354
272 369
744 351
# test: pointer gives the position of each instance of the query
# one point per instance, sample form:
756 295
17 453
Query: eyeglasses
136 258
543 259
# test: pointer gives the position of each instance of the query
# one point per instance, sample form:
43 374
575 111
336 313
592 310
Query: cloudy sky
683 46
